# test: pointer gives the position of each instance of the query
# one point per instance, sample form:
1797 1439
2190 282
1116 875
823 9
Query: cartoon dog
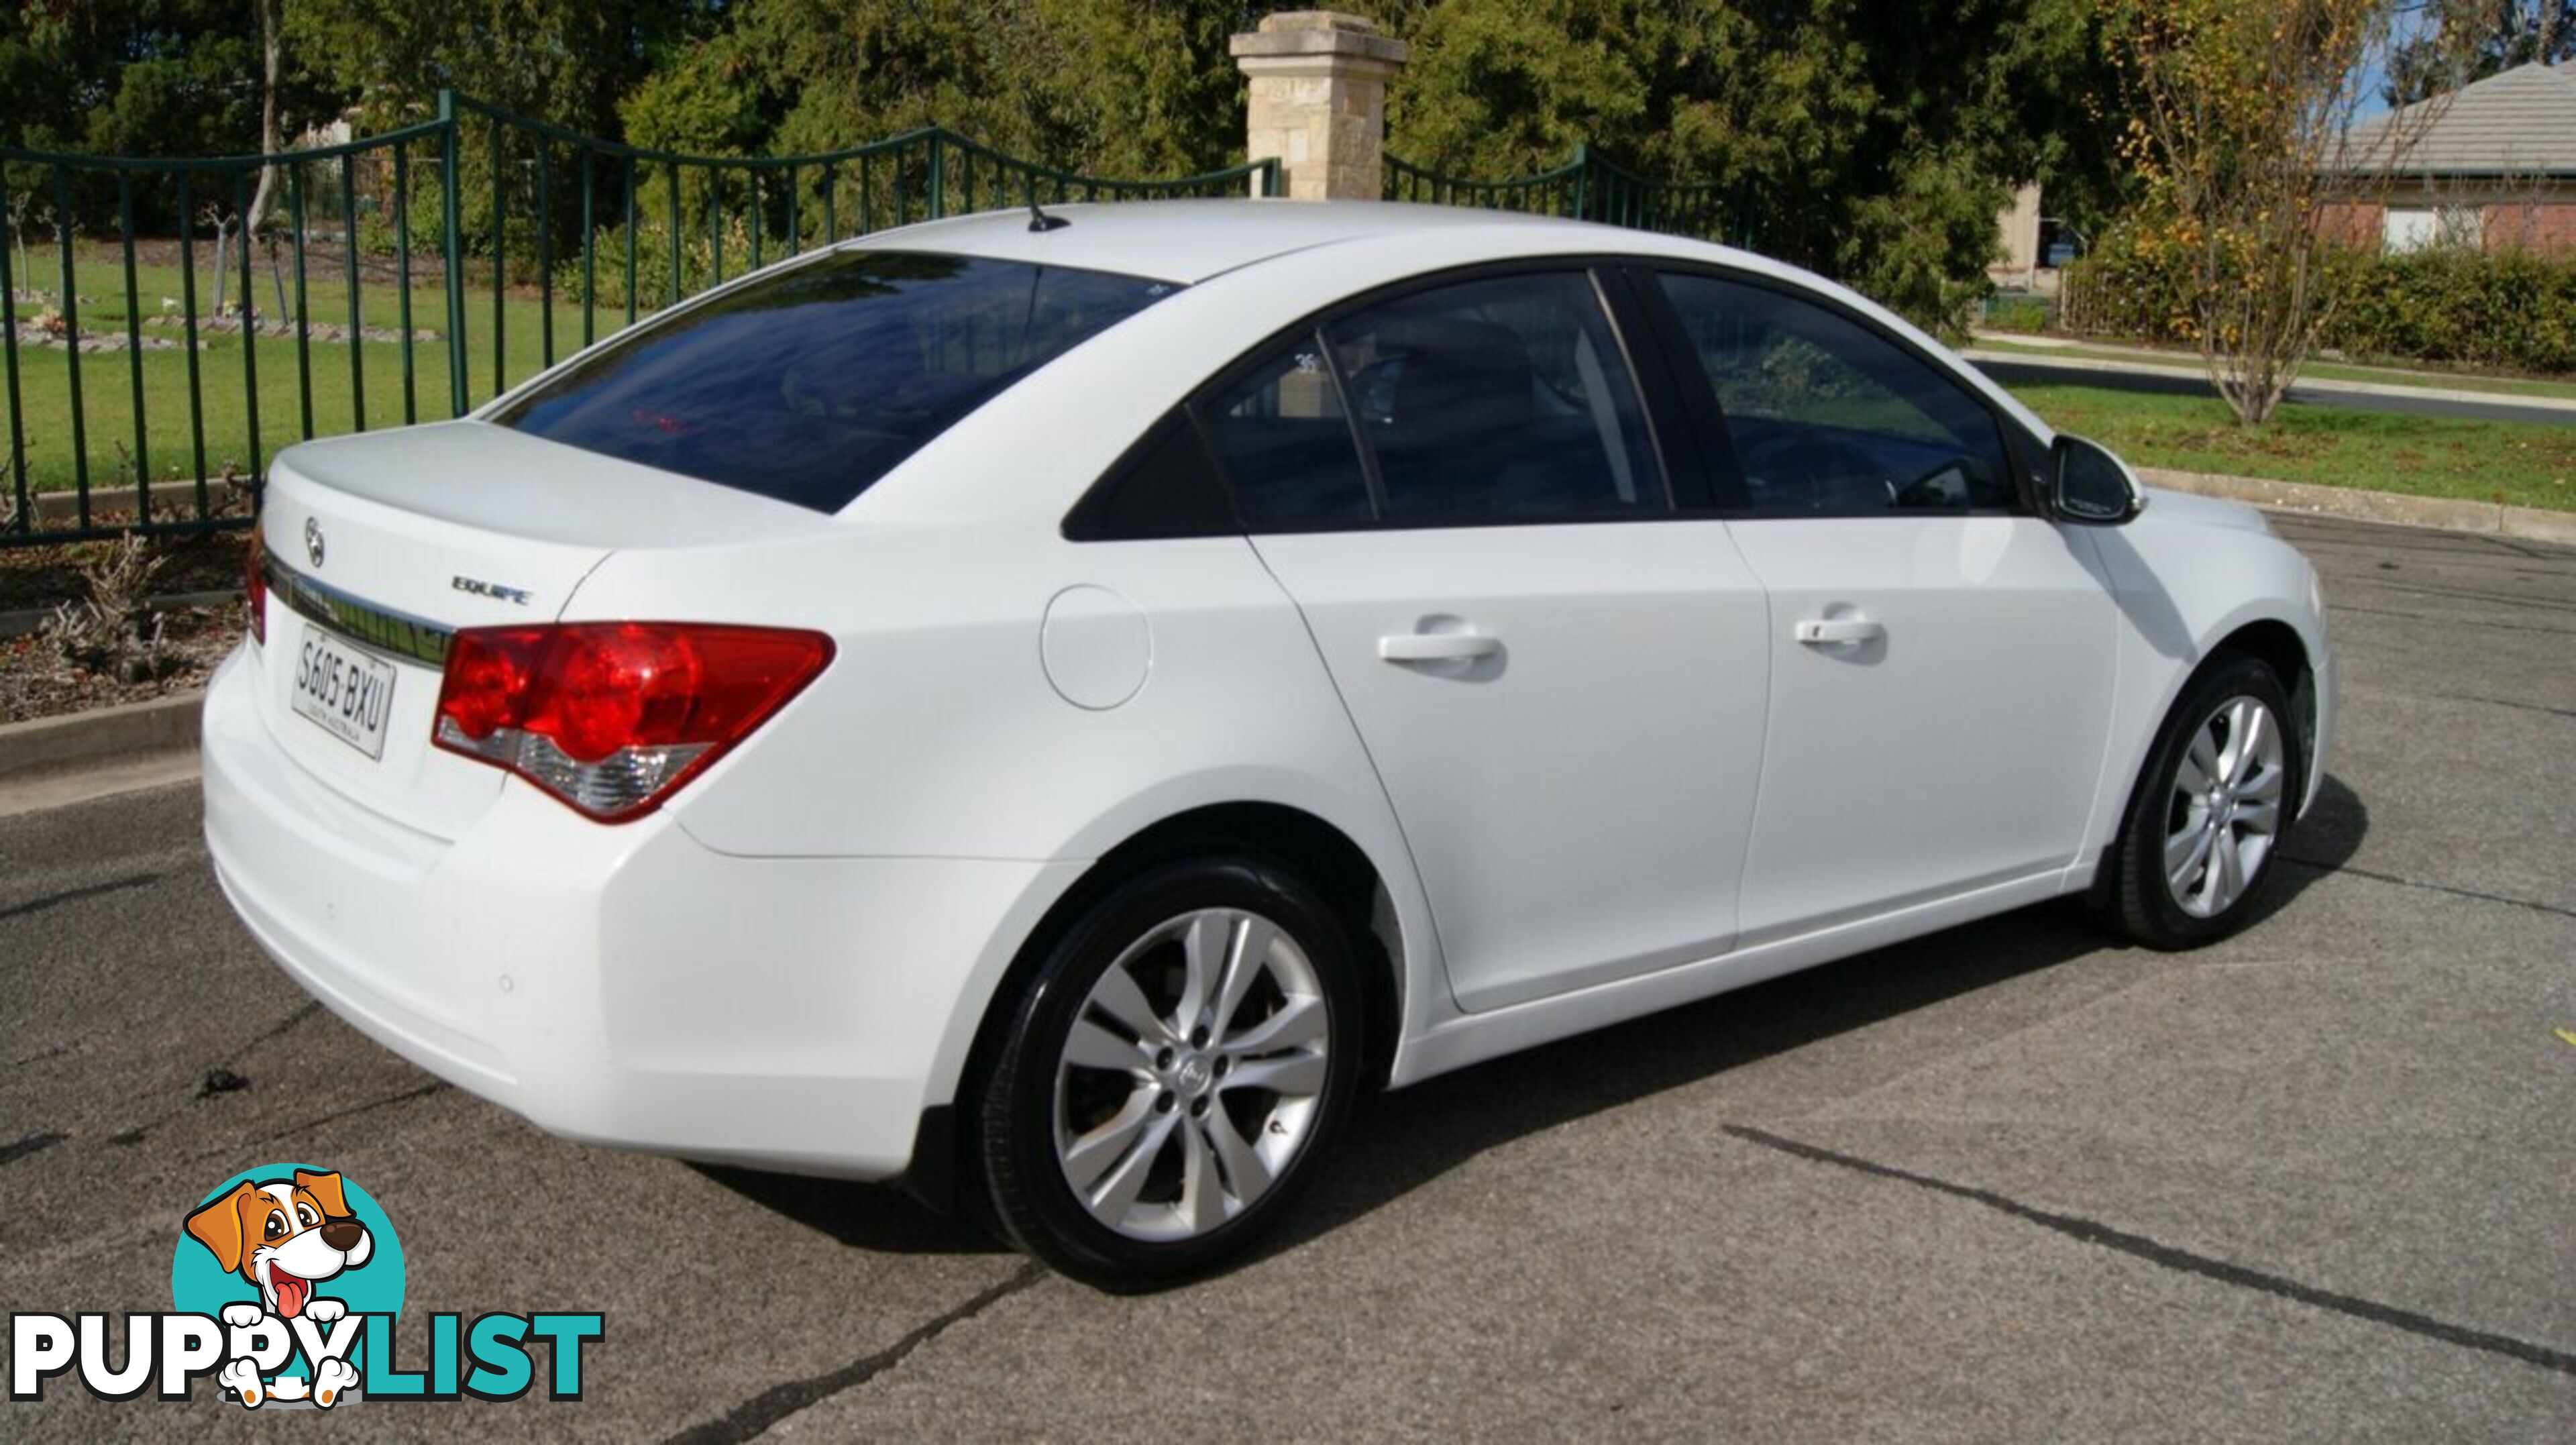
285 1237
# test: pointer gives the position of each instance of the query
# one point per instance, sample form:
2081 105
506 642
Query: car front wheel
2217 797
1173 1068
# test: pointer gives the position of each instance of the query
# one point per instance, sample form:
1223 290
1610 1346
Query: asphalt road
2007 1182
2041 370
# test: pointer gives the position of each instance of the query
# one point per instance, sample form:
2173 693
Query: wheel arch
1353 884
2281 647
2272 641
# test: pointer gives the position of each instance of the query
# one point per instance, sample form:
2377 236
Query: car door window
1286 442
1825 415
1503 398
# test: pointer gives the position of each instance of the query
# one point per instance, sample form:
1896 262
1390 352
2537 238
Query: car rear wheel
2217 798
1171 1072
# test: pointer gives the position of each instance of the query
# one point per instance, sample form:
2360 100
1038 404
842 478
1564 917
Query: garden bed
38 676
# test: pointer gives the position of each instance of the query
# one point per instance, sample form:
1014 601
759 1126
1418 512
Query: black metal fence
1591 188
167 324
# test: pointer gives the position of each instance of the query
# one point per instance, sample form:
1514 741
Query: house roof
2515 123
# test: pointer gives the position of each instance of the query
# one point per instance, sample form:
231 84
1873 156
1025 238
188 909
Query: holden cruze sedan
1047 711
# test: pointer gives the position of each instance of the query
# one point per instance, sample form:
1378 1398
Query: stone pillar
1318 101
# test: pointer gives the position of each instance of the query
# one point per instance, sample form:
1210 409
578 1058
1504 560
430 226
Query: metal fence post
22 516
452 242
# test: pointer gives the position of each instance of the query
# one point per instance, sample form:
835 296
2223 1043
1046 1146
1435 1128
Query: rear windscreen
811 384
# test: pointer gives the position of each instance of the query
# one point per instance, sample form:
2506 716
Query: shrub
653 263
2514 311
2136 285
2027 315
113 632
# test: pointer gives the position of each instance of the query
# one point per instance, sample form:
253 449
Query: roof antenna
1040 221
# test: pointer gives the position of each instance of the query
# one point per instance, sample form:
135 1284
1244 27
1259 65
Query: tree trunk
270 143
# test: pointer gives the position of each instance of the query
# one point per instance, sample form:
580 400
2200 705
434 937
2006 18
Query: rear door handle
1838 631
1437 646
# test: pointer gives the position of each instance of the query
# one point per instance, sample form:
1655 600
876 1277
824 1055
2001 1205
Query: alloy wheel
2224 813
1193 1075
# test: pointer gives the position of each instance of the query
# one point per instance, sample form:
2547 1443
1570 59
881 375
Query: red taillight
612 717
255 589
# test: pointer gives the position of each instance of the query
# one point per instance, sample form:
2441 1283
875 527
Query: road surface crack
2468 893
2138 1246
776 1403
74 895
21 1148
435 1086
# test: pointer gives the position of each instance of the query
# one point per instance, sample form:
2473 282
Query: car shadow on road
1404 1140
862 1216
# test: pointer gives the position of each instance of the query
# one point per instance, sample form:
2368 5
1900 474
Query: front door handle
1437 646
1838 631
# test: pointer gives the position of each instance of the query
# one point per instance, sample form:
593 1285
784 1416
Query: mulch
37 681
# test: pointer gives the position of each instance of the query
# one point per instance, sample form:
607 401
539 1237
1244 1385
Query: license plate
343 691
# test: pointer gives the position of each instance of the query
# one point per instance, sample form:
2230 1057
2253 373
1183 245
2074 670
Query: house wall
2547 227
2530 216
2358 224
2017 227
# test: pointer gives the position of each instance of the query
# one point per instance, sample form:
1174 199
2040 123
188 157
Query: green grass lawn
2319 370
2518 463
374 393
285 379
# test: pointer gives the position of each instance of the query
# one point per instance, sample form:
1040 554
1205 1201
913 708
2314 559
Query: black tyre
1172 1069
2212 808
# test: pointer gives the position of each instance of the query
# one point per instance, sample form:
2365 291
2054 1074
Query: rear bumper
626 985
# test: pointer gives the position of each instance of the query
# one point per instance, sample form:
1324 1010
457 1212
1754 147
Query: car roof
1190 241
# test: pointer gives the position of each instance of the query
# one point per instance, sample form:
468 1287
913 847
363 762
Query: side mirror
2088 484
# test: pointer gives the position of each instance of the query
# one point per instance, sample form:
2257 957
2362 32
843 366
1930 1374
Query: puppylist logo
286 1283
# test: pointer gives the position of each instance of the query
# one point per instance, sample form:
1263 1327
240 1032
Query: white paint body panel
1585 791
1957 748
1660 795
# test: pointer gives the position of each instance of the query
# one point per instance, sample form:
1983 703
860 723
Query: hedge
2514 311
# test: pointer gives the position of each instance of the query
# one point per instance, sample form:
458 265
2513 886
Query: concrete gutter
2447 514
50 745
60 507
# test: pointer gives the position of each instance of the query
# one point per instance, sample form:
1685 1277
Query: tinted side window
1503 398
809 385
1826 415
1165 486
1286 443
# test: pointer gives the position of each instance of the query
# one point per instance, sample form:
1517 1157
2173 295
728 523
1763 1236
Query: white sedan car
1047 712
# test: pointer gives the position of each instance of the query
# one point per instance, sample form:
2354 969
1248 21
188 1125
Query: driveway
2008 1181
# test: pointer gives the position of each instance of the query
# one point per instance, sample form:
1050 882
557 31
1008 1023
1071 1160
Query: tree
2487 37
566 61
1872 142
1112 87
271 139
130 77
2244 132
141 77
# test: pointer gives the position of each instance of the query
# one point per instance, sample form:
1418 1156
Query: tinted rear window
810 385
